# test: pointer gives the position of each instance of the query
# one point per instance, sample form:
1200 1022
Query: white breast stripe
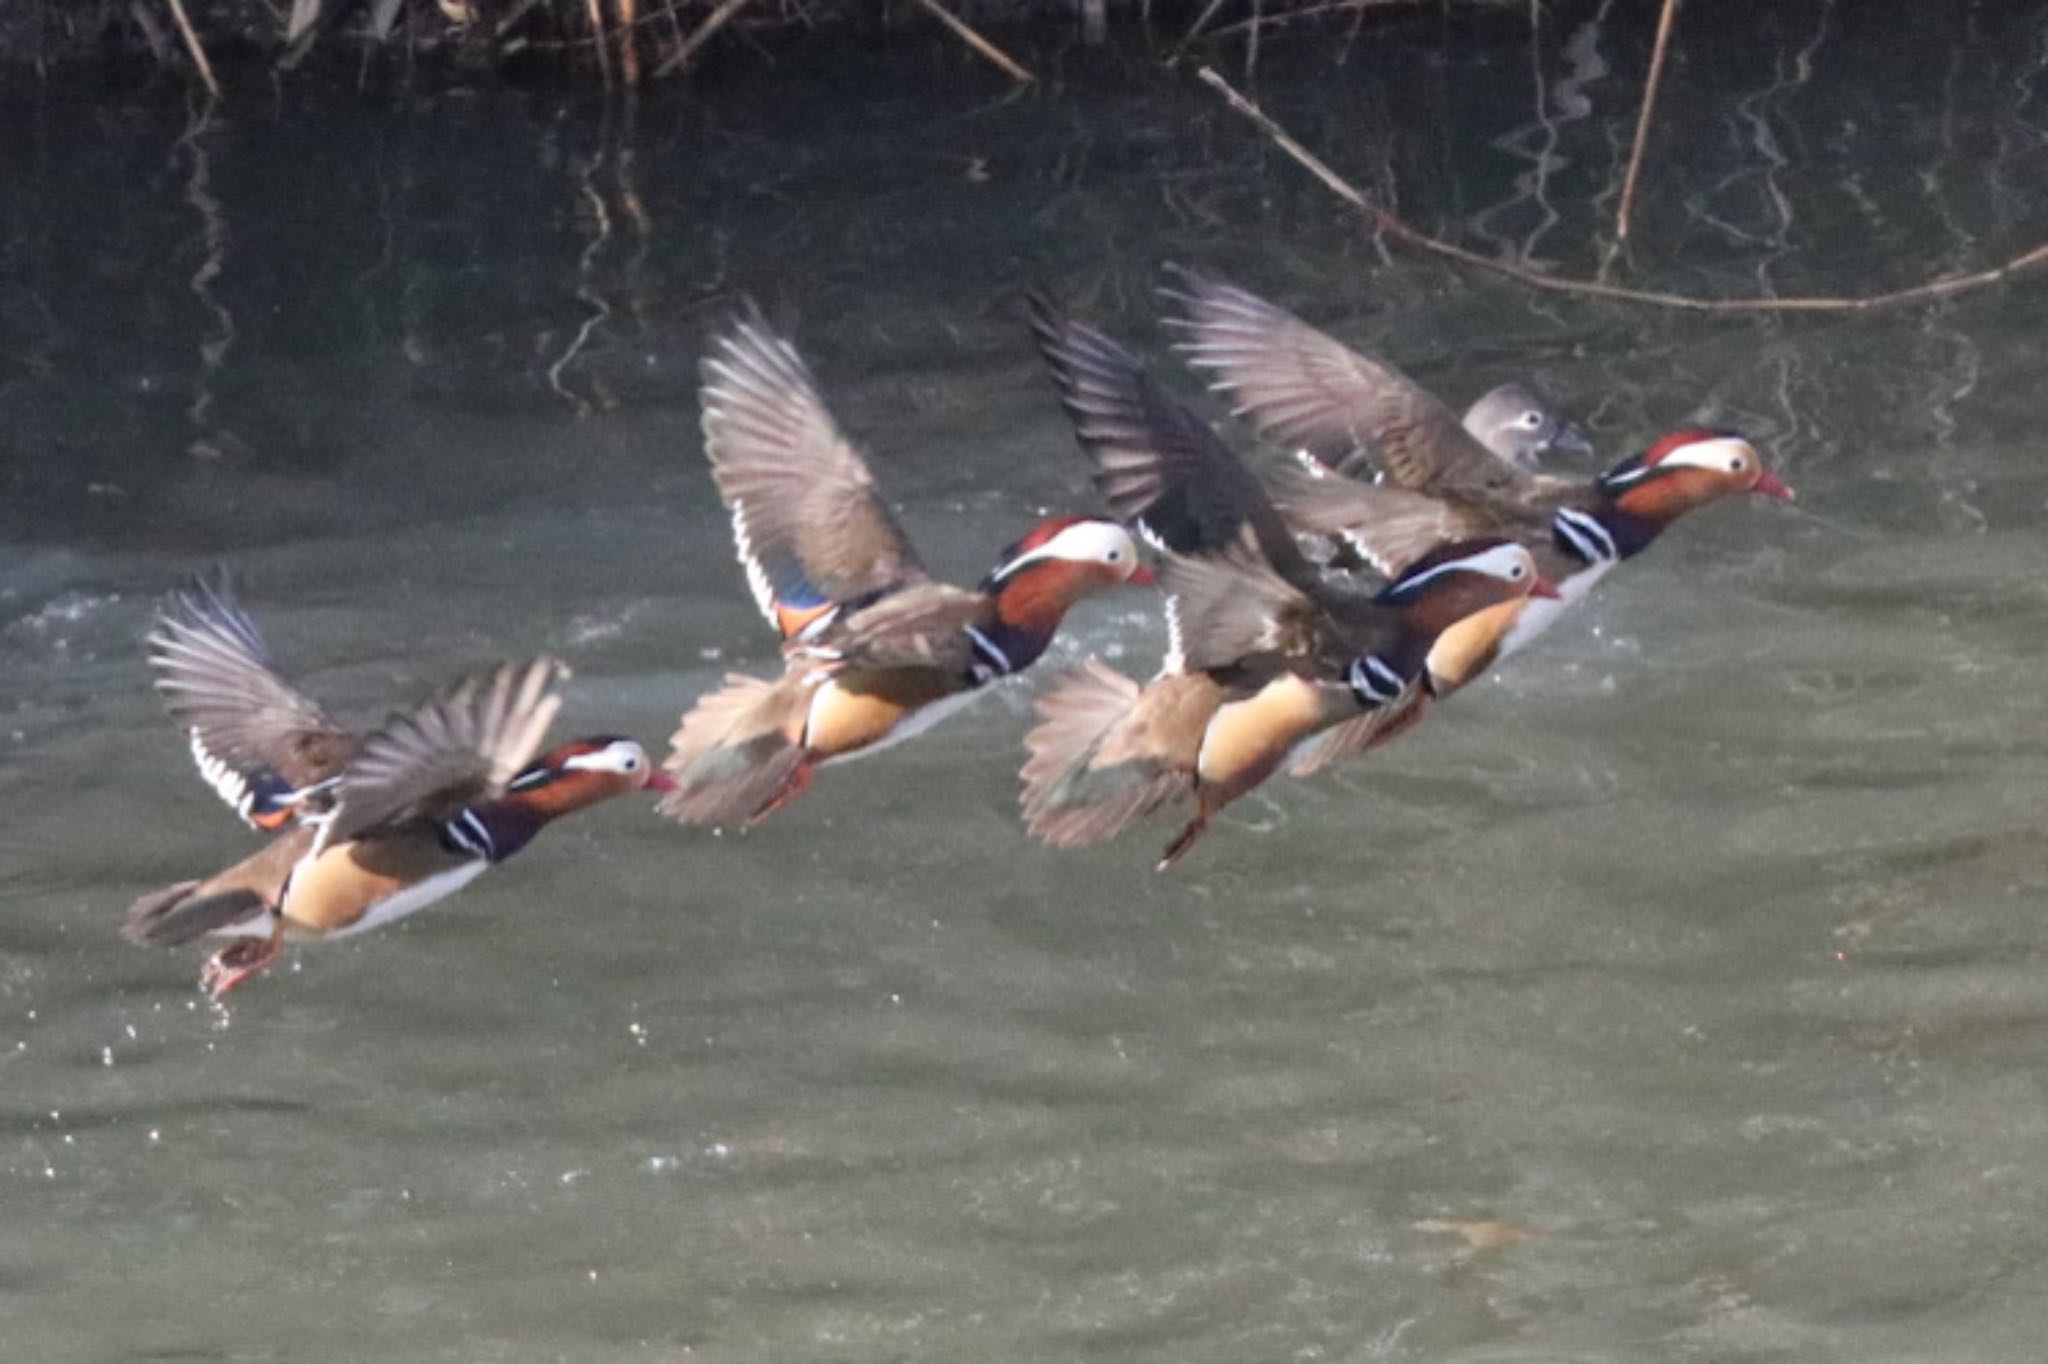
1373 682
994 660
1585 535
468 833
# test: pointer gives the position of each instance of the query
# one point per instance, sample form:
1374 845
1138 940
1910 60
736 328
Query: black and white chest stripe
466 833
1374 682
990 662
1585 535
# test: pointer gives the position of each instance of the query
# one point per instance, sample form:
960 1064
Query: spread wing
924 626
254 735
811 527
1158 464
1387 526
460 748
1230 610
1308 391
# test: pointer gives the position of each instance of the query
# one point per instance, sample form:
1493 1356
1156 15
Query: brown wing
922 626
1305 389
462 747
192 909
1389 527
1231 612
810 525
218 679
1158 464
1107 752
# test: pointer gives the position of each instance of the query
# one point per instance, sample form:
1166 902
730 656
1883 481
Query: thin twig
1635 157
1194 31
713 22
626 13
604 56
983 46
1940 287
184 23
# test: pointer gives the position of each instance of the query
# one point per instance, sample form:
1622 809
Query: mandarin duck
1520 426
875 649
372 827
1346 411
1265 651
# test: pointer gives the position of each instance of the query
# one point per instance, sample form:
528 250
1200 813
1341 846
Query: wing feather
250 729
459 748
808 521
1307 390
1157 463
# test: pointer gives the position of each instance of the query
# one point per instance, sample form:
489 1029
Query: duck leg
1185 839
239 960
798 783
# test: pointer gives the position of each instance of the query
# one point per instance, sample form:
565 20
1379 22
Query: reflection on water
1676 995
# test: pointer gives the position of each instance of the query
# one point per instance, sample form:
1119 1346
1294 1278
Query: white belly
1540 613
394 907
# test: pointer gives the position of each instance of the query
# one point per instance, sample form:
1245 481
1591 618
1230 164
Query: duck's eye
1529 421
632 764
1736 464
1515 574
1116 556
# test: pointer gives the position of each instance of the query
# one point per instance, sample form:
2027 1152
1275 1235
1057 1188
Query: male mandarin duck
1256 666
1345 411
374 827
875 649
1266 652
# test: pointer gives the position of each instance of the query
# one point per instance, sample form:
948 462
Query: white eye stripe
1507 562
624 757
1086 542
1722 454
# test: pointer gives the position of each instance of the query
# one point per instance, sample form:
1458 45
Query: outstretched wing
460 748
1388 527
1230 610
923 626
1305 389
1157 463
255 736
811 528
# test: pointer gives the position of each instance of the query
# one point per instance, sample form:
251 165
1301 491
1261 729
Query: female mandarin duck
1350 413
875 649
1265 651
375 827
1517 424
